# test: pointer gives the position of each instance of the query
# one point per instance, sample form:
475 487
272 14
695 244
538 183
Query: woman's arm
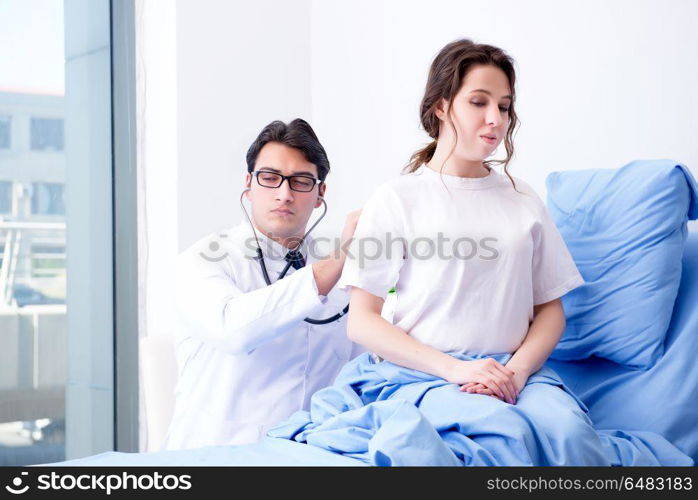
367 327
543 335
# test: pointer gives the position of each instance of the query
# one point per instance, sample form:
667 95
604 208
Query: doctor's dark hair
299 135
446 76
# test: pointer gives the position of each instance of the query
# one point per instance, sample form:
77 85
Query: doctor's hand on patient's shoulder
520 378
349 228
328 270
488 372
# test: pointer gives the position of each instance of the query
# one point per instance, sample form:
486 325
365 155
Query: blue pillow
626 230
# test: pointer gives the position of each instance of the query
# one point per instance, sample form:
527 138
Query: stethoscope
262 265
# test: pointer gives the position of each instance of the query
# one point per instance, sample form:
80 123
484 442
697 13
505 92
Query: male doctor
247 358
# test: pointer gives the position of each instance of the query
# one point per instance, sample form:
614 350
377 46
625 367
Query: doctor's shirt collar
275 251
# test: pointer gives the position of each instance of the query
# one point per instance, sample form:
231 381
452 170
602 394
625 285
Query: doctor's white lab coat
246 359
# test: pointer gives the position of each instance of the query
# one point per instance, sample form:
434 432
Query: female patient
479 269
477 264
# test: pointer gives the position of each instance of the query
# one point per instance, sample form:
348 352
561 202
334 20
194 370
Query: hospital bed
659 400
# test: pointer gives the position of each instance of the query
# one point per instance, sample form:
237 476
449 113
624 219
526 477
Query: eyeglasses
301 183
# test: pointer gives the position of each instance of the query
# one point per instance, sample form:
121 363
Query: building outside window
5 197
47 199
47 134
5 132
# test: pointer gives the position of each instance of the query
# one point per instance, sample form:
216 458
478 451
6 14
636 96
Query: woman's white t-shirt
469 258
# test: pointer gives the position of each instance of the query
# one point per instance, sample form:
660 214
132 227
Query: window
47 199
47 134
5 132
45 415
5 197
48 260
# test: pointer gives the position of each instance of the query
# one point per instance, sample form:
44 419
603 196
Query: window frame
125 223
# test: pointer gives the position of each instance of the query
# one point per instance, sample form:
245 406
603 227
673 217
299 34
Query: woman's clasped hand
486 376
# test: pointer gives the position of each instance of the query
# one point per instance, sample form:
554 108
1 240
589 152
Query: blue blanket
268 452
645 404
384 414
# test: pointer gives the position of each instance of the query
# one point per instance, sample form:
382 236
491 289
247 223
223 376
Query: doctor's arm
328 270
218 312
366 326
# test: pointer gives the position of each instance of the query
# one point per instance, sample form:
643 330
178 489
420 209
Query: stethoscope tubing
265 273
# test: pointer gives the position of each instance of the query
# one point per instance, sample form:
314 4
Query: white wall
599 84
240 65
